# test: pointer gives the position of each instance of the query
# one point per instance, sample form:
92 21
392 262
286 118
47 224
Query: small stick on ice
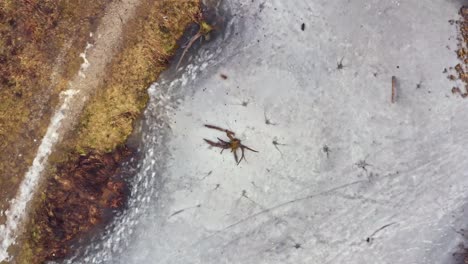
204 30
394 89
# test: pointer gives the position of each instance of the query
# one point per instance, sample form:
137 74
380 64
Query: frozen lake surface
353 178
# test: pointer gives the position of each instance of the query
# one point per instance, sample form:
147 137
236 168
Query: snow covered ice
353 178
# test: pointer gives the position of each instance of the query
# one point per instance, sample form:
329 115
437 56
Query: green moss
205 28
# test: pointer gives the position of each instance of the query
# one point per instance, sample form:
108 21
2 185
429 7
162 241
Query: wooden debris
394 90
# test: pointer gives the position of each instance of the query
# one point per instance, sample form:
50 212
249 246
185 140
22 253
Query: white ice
392 188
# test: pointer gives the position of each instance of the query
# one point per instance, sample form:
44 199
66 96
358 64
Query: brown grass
103 128
39 47
72 203
149 42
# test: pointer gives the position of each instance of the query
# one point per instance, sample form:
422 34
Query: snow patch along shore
17 211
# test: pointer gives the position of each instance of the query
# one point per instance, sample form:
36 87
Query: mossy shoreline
82 183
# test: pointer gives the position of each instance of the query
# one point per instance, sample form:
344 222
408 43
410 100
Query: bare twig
276 144
371 237
394 89
339 65
183 210
204 30
187 47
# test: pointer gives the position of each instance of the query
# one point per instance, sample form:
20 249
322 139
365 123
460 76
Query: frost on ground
342 174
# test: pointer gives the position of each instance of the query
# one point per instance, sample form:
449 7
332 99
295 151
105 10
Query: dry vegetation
82 181
460 71
40 41
72 203
150 41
